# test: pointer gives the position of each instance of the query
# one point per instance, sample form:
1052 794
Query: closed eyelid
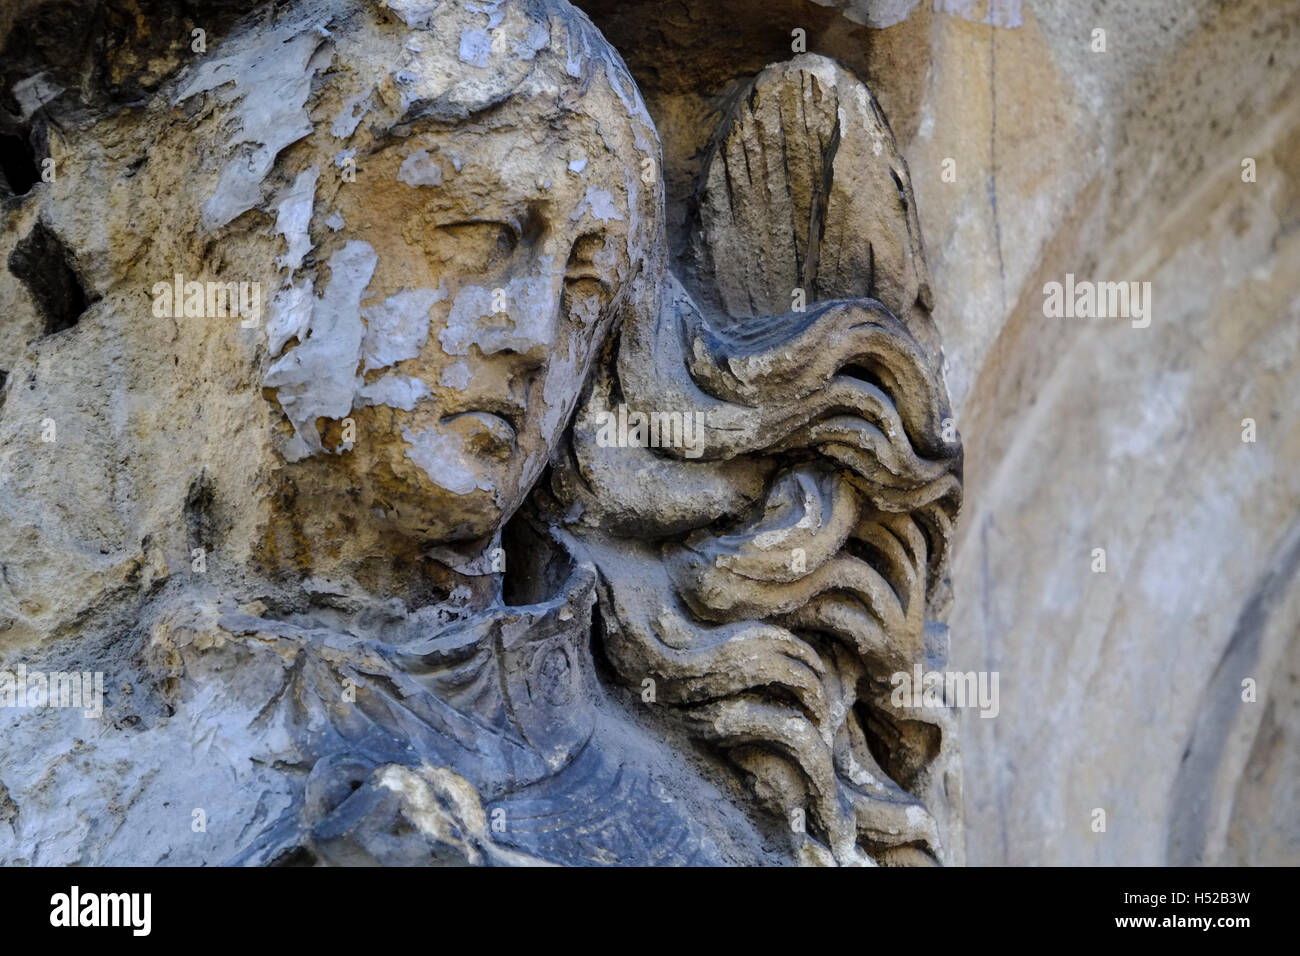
477 245
526 227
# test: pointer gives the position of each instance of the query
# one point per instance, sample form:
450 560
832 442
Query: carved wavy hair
769 587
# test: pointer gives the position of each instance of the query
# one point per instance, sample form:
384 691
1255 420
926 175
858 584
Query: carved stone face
479 259
513 252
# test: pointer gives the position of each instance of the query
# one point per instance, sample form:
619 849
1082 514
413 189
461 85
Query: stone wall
1165 152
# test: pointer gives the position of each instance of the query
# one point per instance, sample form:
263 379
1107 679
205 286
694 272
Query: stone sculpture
502 533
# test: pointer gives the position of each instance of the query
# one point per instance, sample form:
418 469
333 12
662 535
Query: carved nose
519 318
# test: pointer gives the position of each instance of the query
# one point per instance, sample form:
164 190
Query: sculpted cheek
318 378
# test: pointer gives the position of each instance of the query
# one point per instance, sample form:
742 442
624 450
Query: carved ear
804 188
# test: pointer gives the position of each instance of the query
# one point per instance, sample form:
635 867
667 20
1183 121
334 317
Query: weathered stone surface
383 169
1120 691
811 141
314 447
1122 166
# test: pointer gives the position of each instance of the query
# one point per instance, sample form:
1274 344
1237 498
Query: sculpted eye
473 248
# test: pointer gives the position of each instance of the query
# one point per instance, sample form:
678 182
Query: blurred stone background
1122 690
